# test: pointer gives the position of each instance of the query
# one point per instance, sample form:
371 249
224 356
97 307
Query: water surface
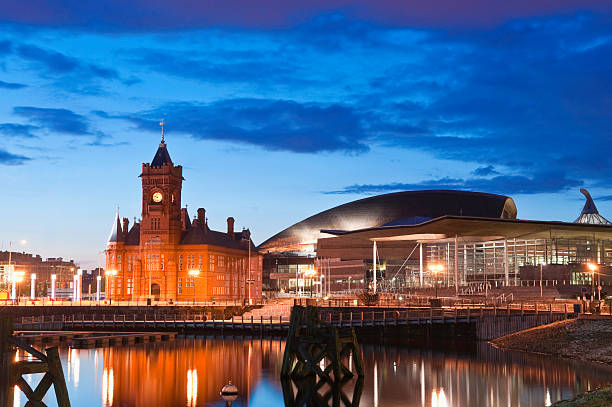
191 371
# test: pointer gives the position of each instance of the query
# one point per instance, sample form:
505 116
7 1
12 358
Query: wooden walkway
490 321
90 339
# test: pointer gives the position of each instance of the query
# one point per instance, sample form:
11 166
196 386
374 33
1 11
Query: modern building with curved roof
399 208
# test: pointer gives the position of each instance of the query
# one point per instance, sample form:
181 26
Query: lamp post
110 274
194 273
593 268
33 286
435 269
98 279
80 285
53 280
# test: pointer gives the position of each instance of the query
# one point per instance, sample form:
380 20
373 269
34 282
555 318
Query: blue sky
279 111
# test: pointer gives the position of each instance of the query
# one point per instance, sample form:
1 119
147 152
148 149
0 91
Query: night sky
280 109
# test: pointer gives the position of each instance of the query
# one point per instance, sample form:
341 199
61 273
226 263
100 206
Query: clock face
157 197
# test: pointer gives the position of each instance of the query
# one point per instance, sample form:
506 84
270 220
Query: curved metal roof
399 208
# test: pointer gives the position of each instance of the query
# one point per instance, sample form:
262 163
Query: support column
374 264
421 265
506 270
456 266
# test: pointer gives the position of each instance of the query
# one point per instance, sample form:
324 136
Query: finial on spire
163 125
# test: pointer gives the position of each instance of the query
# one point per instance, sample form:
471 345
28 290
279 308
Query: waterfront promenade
479 321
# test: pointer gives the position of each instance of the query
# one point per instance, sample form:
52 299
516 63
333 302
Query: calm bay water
191 371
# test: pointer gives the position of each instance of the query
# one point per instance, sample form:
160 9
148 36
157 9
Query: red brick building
154 257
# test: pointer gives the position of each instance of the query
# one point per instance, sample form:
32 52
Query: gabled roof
116 234
161 156
133 236
201 234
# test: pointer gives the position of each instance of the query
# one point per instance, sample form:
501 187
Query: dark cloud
57 63
485 171
7 158
219 67
17 130
11 85
271 124
134 15
502 184
532 95
55 120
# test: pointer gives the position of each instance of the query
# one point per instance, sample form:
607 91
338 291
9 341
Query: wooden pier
485 322
90 339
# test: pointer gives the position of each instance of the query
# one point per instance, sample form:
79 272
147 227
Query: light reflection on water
190 372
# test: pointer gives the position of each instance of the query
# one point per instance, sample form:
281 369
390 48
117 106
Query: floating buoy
229 392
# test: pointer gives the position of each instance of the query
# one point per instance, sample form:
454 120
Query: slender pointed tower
589 213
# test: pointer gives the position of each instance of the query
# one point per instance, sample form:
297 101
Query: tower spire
163 127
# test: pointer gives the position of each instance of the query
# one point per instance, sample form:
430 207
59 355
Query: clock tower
161 198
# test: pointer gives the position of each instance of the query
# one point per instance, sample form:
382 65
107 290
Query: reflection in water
192 388
108 387
438 398
192 371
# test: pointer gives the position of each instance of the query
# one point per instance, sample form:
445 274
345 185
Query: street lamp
593 268
17 278
309 273
111 274
53 279
98 279
79 284
33 286
435 269
194 273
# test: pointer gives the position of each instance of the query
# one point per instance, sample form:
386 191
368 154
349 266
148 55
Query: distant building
29 264
168 256
347 262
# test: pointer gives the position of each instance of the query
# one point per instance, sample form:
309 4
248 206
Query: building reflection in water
108 387
192 388
192 371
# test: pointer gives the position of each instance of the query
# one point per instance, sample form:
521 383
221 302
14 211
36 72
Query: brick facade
153 258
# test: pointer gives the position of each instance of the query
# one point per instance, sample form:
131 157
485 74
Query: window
200 261
180 285
221 261
190 261
212 262
155 223
161 263
180 265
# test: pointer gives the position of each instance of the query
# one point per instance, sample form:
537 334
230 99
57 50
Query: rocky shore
588 338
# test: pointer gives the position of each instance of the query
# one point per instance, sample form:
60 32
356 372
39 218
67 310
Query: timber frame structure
315 356
11 371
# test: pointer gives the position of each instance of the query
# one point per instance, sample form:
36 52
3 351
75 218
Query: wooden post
57 375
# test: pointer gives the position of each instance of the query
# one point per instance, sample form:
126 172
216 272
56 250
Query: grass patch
601 397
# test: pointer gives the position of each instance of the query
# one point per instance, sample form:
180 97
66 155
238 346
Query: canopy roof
466 228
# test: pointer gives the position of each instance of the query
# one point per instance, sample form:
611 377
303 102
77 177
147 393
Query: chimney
202 216
125 226
230 227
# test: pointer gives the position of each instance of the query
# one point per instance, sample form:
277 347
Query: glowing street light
33 286
435 269
53 279
593 268
194 273
79 284
111 274
98 279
